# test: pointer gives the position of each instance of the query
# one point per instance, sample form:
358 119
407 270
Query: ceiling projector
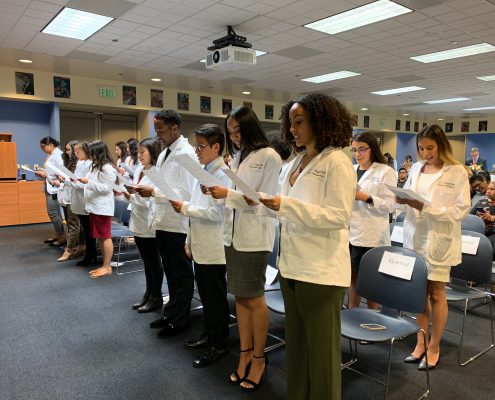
230 52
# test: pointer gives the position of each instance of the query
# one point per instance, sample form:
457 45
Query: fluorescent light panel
331 77
479 108
452 100
399 90
360 16
76 24
455 53
486 78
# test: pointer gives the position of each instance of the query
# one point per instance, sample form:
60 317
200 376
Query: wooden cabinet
9 204
8 165
22 203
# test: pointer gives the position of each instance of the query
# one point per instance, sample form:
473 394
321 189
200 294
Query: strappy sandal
235 374
256 385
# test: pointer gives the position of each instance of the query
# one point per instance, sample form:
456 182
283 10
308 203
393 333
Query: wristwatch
369 200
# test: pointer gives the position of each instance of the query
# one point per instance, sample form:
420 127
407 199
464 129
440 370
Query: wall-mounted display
24 83
61 87
366 121
269 111
205 104
129 95
482 126
183 101
226 106
465 126
449 127
156 98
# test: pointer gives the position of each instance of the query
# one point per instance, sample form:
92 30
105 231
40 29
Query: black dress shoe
410 359
160 322
141 303
171 330
151 305
199 343
209 357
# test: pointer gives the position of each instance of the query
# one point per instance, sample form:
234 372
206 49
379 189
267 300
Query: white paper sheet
407 194
470 244
160 183
248 191
30 170
196 170
398 265
397 234
124 180
67 172
56 170
270 275
117 188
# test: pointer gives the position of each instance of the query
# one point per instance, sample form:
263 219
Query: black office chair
473 268
473 223
395 295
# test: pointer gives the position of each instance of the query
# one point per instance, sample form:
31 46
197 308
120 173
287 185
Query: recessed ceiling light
452 100
76 24
25 61
455 53
399 90
483 78
331 77
440 119
364 109
259 53
479 108
246 92
156 79
406 115
360 16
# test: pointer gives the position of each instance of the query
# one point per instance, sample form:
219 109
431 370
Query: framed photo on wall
397 124
183 101
129 95
24 83
61 87
424 124
248 104
354 120
366 121
408 125
226 106
268 111
156 98
465 126
416 126
205 104
449 127
482 126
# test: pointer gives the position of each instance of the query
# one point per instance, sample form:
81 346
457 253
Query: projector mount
232 38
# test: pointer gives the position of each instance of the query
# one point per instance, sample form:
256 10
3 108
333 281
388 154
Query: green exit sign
107 92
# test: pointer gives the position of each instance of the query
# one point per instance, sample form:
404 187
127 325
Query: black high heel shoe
264 376
234 374
143 301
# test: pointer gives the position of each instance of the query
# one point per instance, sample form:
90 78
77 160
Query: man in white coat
205 242
171 228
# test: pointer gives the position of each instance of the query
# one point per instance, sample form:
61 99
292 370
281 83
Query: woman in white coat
315 210
433 229
252 240
374 202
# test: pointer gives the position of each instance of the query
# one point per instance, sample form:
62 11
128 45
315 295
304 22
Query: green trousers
313 353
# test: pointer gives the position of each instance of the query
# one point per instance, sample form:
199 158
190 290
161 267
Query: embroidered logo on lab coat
318 173
257 166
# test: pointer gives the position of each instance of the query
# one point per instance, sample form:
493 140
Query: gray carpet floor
65 336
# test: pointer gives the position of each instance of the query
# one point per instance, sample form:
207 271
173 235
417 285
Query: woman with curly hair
315 208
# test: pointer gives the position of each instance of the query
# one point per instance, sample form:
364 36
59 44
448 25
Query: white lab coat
435 232
98 195
315 215
207 236
142 208
64 195
252 231
77 202
55 159
370 223
165 218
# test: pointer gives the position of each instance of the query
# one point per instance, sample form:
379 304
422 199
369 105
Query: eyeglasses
199 147
361 150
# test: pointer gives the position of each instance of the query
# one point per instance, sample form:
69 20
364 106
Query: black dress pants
90 241
212 288
180 277
153 269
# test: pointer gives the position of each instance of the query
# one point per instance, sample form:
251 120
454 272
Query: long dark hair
252 135
390 159
100 155
49 140
70 161
370 140
84 146
154 148
123 150
133 150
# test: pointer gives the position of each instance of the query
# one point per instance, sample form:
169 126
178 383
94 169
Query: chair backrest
392 226
119 208
126 216
401 217
476 268
390 291
473 223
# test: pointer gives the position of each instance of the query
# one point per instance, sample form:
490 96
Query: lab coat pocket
248 227
439 247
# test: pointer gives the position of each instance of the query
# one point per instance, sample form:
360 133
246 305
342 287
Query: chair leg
427 392
387 378
461 342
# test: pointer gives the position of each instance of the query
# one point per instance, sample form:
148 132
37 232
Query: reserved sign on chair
397 265
470 244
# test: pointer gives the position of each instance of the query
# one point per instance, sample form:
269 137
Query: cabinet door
9 204
8 165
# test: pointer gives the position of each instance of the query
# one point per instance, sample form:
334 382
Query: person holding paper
485 209
205 243
99 199
251 240
315 209
433 229
81 150
373 203
142 210
132 160
50 146
171 228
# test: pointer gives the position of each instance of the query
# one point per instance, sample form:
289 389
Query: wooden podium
20 202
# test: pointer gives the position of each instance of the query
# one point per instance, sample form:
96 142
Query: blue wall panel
406 145
486 143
